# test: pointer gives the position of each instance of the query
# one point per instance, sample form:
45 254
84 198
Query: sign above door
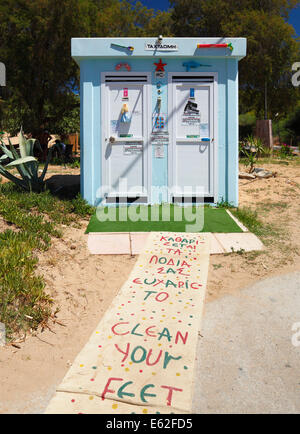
160 47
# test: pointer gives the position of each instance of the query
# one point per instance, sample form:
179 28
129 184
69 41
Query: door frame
172 128
104 117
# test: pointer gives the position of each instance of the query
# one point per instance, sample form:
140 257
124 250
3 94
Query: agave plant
26 164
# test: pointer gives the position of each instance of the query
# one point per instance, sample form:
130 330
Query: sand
78 283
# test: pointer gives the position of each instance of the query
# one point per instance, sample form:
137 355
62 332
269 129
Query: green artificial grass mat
215 220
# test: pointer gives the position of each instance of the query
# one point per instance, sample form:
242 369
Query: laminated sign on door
191 114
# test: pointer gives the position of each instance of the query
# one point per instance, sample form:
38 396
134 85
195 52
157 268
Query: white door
125 121
192 173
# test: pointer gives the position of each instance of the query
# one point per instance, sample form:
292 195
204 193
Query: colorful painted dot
185 367
81 366
94 367
145 410
178 374
91 397
72 400
114 406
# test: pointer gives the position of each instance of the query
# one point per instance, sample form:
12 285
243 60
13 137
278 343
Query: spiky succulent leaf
31 144
23 171
22 144
6 151
13 178
21 161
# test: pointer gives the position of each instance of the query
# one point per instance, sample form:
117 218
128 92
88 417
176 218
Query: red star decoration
160 66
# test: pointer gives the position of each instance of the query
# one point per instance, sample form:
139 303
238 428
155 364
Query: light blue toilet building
159 118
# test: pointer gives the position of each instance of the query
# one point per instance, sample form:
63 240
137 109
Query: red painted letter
170 394
106 388
119 334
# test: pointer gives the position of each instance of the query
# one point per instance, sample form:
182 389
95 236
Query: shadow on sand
64 186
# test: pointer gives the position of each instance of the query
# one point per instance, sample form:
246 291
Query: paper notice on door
160 138
132 149
159 151
190 119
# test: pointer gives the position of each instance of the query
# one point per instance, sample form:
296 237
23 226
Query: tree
265 74
36 49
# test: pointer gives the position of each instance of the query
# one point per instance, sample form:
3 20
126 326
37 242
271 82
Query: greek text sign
140 358
161 47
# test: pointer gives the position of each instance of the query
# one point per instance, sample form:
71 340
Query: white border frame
146 120
172 130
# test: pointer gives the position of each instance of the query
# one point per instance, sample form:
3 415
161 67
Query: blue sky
295 20
164 5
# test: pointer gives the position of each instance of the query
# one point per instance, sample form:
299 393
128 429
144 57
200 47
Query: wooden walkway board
140 358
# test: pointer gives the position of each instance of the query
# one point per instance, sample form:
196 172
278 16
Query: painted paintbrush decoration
192 64
123 46
216 46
